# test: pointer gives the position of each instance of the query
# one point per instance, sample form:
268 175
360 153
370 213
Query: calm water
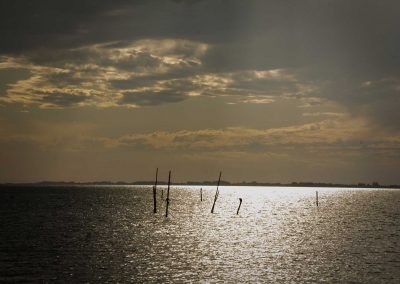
109 234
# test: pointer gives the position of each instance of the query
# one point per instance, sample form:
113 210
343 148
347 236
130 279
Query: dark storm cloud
26 25
151 98
257 33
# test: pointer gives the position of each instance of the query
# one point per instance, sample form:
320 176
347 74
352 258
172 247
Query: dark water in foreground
109 234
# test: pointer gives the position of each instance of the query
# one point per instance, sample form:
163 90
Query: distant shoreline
207 183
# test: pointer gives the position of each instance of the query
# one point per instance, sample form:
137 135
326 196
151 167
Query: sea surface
101 234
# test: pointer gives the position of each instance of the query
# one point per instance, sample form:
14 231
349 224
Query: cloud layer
311 81
142 73
142 54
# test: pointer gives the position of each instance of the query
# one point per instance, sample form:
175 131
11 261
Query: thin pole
240 203
216 193
201 194
154 199
155 193
156 176
316 198
169 181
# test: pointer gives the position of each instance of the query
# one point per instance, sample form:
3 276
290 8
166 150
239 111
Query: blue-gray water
109 234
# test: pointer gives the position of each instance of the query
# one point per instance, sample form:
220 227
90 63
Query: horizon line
208 183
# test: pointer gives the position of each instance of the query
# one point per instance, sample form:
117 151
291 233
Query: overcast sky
271 91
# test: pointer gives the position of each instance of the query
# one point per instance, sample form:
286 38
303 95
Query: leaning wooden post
155 193
316 198
169 181
201 194
240 203
216 193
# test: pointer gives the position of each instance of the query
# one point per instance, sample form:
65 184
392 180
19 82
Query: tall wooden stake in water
169 181
316 198
201 194
155 193
216 193
240 203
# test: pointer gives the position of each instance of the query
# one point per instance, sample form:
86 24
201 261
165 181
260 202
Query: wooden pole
216 193
156 176
316 198
155 193
154 199
201 194
169 181
240 203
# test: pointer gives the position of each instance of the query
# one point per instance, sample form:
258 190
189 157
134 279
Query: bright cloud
140 73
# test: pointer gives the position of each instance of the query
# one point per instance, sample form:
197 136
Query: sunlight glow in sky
271 91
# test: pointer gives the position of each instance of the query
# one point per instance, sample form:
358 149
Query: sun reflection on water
110 234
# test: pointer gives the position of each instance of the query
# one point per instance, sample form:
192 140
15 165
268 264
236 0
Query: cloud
379 99
324 114
321 51
62 100
337 131
150 98
333 138
99 75
376 100
141 73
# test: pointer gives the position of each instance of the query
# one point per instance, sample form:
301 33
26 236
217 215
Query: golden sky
262 90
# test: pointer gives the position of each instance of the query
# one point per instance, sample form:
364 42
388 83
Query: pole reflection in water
108 234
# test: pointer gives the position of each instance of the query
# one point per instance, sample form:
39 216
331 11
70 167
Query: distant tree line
226 183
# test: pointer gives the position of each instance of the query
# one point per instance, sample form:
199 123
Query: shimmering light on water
110 234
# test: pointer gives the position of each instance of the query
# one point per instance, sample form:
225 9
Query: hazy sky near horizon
272 91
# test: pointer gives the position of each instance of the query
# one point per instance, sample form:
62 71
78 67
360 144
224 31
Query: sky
268 91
